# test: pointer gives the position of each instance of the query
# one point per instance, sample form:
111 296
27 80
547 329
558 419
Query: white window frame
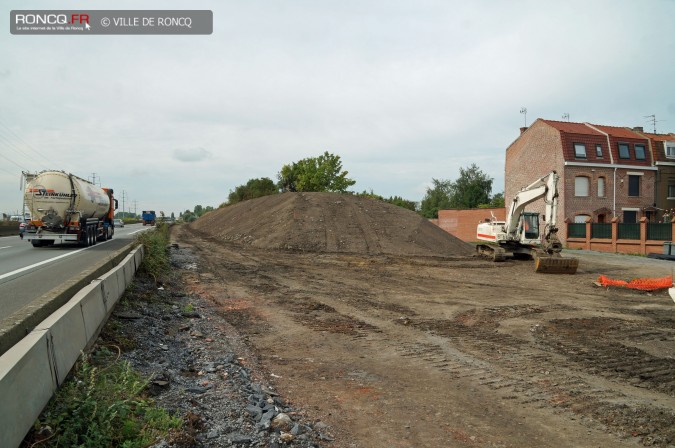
577 218
670 146
576 153
602 181
598 151
577 188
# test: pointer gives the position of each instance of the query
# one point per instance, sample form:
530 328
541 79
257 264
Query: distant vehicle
22 229
65 207
149 217
118 223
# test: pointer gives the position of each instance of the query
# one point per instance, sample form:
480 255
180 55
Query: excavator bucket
555 265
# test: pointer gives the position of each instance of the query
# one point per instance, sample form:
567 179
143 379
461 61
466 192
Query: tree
472 188
254 188
497 201
436 198
323 173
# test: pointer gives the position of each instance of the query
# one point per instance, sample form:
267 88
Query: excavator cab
529 224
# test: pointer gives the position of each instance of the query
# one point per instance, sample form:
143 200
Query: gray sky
403 91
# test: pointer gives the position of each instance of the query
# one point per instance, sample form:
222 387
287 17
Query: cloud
191 154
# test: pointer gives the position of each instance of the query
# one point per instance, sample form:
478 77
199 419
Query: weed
188 308
103 406
156 260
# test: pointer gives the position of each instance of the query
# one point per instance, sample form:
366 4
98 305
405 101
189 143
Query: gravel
200 369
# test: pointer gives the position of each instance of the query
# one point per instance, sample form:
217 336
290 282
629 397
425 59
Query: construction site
396 334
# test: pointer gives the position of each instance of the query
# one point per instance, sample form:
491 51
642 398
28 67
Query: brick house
662 147
604 171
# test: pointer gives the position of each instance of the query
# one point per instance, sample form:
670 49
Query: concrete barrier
32 370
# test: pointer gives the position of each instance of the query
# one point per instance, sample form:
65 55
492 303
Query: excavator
522 237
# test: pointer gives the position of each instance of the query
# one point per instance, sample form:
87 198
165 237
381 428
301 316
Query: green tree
436 198
400 202
254 188
472 188
323 173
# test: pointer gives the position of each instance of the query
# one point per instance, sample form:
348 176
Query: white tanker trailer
64 207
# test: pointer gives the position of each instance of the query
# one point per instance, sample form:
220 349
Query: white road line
5 247
26 268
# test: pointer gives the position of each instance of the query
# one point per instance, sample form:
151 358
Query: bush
156 246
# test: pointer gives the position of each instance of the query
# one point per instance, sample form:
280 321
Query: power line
26 143
13 146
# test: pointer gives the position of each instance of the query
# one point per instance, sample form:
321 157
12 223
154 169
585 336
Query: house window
581 184
598 151
579 150
671 191
601 187
633 185
640 152
670 150
630 216
580 219
624 153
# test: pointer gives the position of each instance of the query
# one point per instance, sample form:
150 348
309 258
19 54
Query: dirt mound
329 222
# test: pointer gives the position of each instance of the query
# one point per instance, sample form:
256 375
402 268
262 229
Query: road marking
26 268
5 247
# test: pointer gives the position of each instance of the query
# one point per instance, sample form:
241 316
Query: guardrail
32 369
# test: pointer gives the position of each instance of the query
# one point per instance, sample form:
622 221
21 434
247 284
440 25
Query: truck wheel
36 243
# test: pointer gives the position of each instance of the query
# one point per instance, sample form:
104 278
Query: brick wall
462 223
533 155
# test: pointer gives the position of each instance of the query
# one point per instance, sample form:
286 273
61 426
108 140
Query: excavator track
492 252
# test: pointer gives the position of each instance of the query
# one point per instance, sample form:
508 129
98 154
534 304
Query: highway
27 272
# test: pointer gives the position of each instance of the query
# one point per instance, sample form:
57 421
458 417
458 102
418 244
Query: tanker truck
67 208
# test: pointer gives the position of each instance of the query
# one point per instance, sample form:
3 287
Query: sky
403 91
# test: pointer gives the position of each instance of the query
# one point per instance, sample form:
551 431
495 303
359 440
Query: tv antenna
566 116
652 119
523 110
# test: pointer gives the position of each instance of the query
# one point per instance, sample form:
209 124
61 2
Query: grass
156 246
103 405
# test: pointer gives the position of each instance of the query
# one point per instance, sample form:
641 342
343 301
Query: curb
32 369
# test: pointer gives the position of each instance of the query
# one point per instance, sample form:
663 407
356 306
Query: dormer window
670 150
640 152
624 152
598 151
579 150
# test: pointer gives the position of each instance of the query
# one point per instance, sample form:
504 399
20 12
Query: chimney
639 129
523 130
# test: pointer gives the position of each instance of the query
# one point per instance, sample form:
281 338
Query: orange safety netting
643 284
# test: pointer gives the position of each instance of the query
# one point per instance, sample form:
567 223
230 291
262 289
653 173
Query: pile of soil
329 222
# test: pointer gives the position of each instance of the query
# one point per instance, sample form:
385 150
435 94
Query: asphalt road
27 272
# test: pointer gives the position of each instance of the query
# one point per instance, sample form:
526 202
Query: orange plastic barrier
643 284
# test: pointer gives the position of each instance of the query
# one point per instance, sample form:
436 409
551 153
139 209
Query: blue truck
149 217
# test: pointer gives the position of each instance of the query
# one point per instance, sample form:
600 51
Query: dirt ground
430 351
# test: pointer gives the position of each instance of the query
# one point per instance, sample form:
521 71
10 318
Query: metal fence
576 230
629 231
660 231
601 230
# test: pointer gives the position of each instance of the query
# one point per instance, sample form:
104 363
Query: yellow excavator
521 235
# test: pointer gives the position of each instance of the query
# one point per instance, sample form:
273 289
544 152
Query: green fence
576 230
629 231
659 231
601 230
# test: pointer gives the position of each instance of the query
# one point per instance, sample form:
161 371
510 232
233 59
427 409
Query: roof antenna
566 116
652 120
523 110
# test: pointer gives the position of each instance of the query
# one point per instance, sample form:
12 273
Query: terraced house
605 171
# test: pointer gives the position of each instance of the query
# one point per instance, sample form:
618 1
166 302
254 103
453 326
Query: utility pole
566 116
93 179
124 196
135 206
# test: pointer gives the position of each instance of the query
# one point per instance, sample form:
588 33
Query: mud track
414 351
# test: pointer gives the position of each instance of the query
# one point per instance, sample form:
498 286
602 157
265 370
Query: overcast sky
402 91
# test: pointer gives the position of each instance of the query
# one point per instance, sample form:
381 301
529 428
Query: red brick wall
535 154
462 223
